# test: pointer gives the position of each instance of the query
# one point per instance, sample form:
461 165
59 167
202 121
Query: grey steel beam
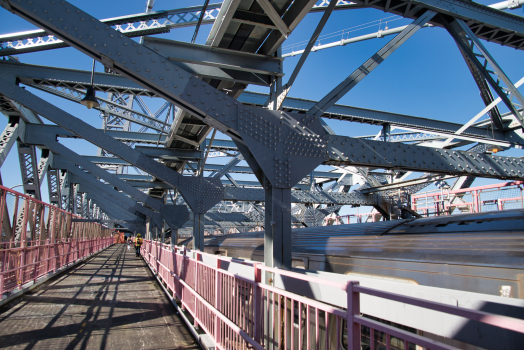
53 187
291 18
12 109
286 88
215 57
375 117
114 210
190 188
161 185
73 78
110 207
468 42
65 190
110 178
169 153
275 17
304 196
109 108
124 136
136 25
8 138
43 164
343 150
472 11
32 75
485 92
403 184
488 24
360 73
234 161
253 18
85 179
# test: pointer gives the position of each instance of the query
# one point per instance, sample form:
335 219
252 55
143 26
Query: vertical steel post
268 229
198 231
353 309
218 297
257 311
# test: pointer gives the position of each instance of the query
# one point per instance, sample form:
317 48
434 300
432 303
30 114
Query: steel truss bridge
154 172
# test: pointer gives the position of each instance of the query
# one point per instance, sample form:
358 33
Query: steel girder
115 210
132 26
286 88
341 198
137 25
361 72
479 55
199 193
9 137
86 179
216 108
380 154
75 79
487 23
108 107
53 187
217 63
375 117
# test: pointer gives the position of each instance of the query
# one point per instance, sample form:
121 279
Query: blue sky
426 77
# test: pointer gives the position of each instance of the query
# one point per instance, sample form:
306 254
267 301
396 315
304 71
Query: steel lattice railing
239 311
38 239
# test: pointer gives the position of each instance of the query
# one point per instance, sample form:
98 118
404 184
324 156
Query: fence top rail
34 200
510 323
464 190
287 273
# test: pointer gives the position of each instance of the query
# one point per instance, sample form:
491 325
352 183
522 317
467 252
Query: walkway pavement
110 302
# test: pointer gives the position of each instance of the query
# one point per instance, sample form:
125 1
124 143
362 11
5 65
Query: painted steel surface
38 239
230 303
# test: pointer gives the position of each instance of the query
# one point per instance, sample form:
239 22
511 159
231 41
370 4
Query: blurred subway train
482 253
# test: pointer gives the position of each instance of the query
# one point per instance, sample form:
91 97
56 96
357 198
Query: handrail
240 312
19 266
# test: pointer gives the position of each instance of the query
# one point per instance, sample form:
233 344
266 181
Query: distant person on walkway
129 243
138 244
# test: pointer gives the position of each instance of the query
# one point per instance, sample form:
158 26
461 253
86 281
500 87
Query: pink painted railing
503 196
22 265
37 239
241 312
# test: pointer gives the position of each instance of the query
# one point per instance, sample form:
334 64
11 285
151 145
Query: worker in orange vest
138 244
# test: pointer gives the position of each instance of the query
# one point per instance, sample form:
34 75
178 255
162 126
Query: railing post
353 309
197 259
218 297
257 312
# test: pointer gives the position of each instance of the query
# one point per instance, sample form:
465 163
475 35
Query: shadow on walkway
110 302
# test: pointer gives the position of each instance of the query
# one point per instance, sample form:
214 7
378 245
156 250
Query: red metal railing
37 239
240 311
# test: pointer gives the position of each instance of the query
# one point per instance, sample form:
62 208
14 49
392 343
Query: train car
482 252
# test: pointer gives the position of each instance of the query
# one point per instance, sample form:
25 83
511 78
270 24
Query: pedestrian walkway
110 302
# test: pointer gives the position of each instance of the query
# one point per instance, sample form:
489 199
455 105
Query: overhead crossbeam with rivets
380 154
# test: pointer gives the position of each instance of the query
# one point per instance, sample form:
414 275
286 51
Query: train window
442 225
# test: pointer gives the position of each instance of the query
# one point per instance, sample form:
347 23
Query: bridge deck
110 302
